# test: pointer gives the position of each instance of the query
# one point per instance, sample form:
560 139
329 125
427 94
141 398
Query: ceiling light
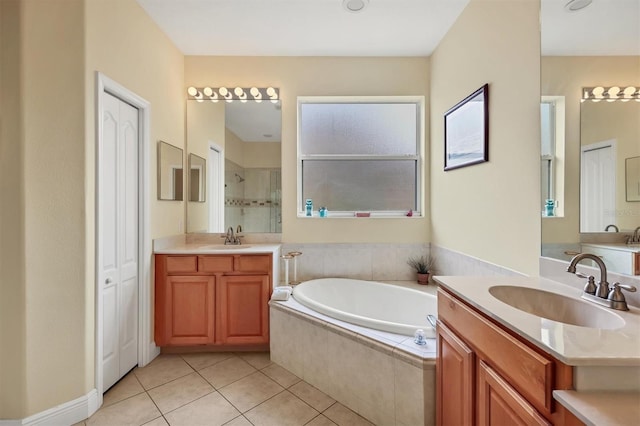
575 5
354 5
610 94
243 94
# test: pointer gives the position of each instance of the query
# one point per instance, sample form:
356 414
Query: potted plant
423 267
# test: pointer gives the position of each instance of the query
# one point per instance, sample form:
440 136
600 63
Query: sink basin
225 247
556 307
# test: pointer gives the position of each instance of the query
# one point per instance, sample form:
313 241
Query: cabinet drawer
529 372
181 264
253 263
215 263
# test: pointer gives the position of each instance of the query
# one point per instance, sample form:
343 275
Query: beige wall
317 76
48 353
565 76
491 210
262 155
233 148
12 292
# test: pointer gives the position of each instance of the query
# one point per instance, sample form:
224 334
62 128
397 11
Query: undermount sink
556 307
225 247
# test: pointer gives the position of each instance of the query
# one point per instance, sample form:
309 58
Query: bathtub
370 304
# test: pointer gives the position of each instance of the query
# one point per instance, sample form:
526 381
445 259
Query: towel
281 293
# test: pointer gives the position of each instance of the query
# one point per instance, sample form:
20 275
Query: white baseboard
64 414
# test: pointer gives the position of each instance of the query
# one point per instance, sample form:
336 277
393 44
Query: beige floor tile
179 392
283 409
239 421
281 375
161 370
125 388
342 416
258 360
321 421
312 396
136 410
79 424
226 372
198 361
160 421
252 390
210 410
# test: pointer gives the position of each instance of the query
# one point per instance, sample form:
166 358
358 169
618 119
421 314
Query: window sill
352 215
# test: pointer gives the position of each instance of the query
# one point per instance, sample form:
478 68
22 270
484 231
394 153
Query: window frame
419 101
557 157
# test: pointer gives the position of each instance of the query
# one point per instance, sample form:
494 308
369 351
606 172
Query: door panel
119 238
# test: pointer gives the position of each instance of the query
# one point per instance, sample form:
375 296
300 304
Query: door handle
107 281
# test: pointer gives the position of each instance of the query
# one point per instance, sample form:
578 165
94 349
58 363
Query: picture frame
632 178
466 131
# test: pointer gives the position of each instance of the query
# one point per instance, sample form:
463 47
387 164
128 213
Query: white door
119 212
597 186
215 187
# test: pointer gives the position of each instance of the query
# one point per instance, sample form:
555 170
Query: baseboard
68 413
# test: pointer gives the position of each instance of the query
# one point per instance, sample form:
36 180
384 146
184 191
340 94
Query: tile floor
234 389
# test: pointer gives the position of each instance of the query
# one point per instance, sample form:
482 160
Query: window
552 152
360 154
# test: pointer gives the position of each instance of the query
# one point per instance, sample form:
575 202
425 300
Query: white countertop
602 408
573 345
632 248
204 248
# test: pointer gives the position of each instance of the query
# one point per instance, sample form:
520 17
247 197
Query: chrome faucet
600 293
230 238
611 226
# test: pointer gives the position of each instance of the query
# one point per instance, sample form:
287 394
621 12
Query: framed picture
632 174
466 131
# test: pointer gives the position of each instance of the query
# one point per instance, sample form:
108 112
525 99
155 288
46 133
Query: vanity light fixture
576 5
610 94
242 94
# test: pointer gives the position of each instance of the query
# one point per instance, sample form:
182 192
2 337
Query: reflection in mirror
170 172
609 134
241 141
197 178
575 56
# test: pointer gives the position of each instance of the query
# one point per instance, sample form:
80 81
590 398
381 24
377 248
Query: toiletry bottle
309 207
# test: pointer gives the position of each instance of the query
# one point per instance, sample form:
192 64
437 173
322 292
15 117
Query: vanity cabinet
212 299
487 375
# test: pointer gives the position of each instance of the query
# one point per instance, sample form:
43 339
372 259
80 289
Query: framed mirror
240 143
170 172
197 178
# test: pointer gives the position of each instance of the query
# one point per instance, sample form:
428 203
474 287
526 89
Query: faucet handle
617 298
590 286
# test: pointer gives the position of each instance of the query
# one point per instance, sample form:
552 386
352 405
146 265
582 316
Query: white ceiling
383 28
253 121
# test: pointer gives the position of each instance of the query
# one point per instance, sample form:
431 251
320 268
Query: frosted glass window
358 129
360 185
360 154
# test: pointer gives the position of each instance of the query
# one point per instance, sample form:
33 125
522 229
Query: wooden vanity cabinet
487 375
212 299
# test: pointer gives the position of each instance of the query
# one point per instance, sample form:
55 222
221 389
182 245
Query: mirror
170 172
197 178
240 144
573 57
609 138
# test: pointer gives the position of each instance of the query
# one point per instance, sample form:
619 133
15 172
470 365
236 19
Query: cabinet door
454 379
189 310
244 309
500 404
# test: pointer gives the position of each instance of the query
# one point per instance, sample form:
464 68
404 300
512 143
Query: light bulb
192 91
238 91
208 91
223 91
271 91
613 92
254 92
598 91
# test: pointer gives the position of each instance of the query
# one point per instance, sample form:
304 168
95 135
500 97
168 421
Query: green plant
422 264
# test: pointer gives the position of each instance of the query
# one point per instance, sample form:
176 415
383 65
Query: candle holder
286 258
295 255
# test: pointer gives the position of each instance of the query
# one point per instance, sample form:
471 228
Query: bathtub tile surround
373 373
377 262
451 262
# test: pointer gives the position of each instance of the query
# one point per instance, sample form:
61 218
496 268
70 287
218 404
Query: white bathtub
370 304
